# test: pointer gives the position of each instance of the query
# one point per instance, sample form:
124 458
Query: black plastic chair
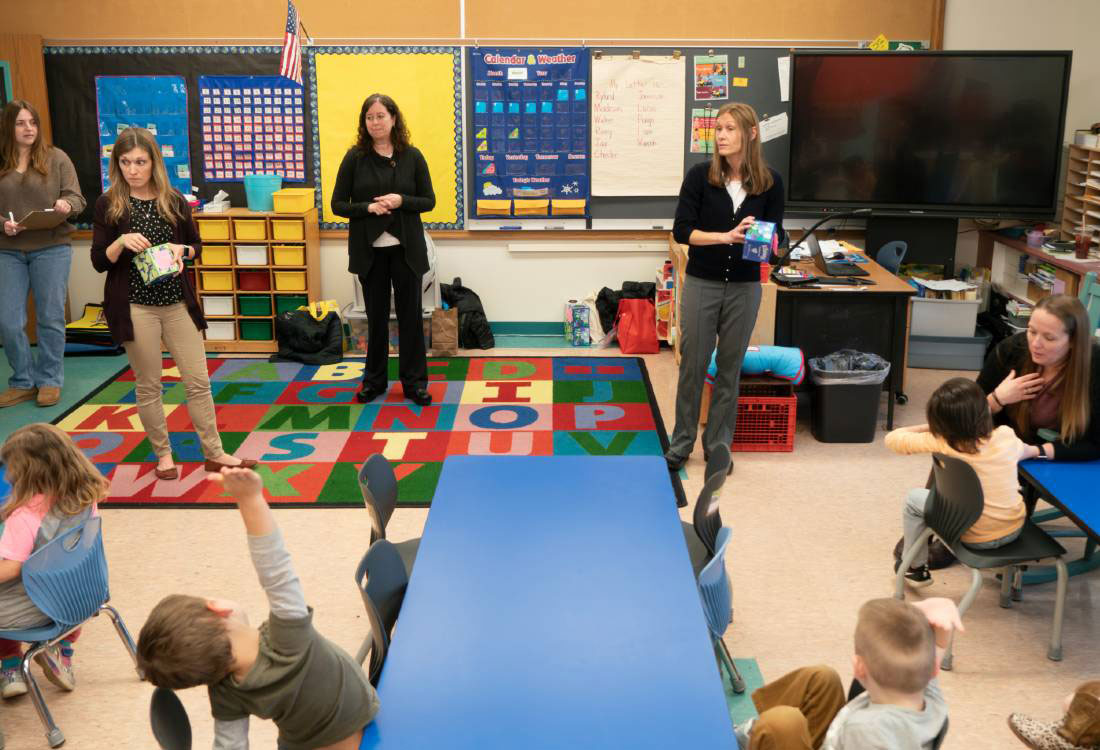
382 582
955 502
890 255
378 484
171 727
702 533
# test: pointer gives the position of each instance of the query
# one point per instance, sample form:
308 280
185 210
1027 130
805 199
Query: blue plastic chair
715 593
67 580
890 255
382 582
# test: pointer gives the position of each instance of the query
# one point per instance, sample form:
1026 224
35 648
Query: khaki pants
173 326
797 709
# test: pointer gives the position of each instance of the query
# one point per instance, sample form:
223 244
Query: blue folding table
1074 490
552 605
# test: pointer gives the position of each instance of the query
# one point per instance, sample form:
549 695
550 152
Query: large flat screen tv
947 134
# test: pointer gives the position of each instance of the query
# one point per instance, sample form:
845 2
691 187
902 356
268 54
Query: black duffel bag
303 338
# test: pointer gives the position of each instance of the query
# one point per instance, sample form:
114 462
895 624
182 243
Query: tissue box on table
578 328
761 240
155 264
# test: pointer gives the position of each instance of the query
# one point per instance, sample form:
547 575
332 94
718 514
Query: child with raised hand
317 695
960 425
54 488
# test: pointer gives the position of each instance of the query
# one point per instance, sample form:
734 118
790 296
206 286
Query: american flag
290 65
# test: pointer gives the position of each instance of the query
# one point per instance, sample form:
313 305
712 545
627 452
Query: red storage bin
253 281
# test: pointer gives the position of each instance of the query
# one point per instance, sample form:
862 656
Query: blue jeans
46 273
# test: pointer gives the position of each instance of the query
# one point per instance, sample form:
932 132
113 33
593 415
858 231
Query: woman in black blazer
383 186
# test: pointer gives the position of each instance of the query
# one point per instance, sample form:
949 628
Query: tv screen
942 133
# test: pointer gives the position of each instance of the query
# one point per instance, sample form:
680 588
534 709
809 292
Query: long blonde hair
118 194
1075 409
755 176
40 459
9 155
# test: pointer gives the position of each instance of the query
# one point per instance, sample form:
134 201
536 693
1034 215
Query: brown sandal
215 467
173 473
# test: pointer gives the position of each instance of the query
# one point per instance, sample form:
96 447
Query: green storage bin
254 304
256 330
285 302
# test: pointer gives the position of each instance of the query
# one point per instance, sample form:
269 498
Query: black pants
389 267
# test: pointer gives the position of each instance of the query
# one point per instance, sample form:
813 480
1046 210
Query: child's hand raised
241 483
942 615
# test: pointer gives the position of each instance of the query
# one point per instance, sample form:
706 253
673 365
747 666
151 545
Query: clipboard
47 219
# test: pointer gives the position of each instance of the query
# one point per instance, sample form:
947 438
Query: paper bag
445 332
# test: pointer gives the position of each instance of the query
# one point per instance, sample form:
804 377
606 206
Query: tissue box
156 264
761 240
578 328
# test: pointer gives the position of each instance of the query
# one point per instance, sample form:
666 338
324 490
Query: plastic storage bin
949 352
250 229
251 255
290 281
213 229
217 281
287 302
254 304
217 305
289 255
216 255
765 417
943 317
258 189
293 200
253 281
256 330
293 230
221 330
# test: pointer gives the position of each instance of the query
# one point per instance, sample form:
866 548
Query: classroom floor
813 534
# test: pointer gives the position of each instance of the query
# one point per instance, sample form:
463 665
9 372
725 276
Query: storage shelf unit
1081 206
254 265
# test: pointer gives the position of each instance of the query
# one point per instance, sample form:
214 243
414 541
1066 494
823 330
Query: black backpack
473 327
303 338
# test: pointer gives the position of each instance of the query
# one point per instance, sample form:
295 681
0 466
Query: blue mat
741 706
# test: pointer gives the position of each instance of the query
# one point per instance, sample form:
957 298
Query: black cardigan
116 288
359 181
708 208
1010 355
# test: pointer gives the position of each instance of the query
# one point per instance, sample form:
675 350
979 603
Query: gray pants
913 525
710 310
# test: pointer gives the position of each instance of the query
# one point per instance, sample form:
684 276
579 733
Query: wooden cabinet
254 265
1081 206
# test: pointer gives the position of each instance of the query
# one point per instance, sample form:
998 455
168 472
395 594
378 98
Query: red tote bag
636 324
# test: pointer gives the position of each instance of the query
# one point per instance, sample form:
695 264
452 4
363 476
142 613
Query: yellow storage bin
250 229
290 281
217 281
289 255
288 229
293 200
213 229
216 255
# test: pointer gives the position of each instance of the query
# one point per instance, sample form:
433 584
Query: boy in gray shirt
897 656
317 695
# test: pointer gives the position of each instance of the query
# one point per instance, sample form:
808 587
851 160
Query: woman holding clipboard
34 176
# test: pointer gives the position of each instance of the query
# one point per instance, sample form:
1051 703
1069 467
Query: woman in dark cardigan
383 186
1045 383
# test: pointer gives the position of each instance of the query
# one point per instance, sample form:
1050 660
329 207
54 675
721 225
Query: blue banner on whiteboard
252 125
529 140
158 103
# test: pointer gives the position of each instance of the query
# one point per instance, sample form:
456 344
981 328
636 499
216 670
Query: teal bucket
258 189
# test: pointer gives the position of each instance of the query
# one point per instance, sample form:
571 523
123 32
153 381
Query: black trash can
847 391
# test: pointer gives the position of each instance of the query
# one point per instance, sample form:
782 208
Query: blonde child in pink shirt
54 487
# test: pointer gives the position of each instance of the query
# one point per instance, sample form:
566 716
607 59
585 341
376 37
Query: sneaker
13 396
12 684
57 667
918 577
1041 735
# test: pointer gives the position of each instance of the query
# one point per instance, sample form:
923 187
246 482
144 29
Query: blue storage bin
258 189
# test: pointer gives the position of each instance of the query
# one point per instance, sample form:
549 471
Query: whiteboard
637 125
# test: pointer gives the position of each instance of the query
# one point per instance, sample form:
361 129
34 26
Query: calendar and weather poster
529 140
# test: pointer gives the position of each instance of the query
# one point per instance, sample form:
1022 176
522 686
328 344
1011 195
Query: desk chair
714 592
701 536
890 255
66 579
382 582
954 504
171 727
378 485
1089 294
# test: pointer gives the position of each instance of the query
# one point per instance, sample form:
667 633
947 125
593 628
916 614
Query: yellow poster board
425 87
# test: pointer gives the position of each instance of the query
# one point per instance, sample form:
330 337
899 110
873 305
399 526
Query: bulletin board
426 84
70 80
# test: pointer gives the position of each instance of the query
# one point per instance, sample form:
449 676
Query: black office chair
955 502
890 255
382 582
378 484
702 534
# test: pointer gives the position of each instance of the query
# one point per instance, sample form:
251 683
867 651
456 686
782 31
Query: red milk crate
765 416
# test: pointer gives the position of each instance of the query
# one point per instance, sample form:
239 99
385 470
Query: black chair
378 484
171 727
955 502
702 534
382 581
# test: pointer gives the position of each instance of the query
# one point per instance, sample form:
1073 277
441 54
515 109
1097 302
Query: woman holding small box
719 202
141 210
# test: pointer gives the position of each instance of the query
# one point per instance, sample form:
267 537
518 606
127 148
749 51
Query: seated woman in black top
383 186
719 201
1045 383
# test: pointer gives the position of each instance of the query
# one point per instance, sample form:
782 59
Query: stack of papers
945 289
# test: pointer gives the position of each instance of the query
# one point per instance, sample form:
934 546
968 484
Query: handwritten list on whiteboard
637 125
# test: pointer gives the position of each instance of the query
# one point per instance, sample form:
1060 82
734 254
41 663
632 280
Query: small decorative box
761 240
578 329
155 264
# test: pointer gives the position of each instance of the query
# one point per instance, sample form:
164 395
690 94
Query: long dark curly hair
399 136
